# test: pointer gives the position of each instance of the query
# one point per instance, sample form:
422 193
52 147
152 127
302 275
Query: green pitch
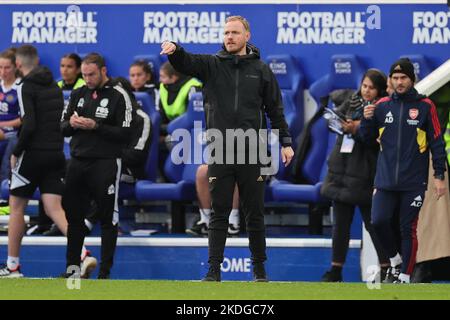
188 290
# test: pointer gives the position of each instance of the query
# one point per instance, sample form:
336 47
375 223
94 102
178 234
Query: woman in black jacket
351 170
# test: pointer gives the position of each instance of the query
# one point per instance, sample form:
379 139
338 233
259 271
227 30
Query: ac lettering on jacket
184 27
72 26
431 27
417 202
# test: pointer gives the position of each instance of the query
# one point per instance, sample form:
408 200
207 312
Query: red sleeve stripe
384 99
434 117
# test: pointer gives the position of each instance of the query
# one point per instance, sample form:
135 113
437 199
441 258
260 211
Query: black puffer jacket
237 90
350 175
41 102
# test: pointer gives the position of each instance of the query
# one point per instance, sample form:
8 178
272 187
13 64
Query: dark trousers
343 217
96 179
251 185
408 204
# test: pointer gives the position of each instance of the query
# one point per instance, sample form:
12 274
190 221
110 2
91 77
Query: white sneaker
5 272
87 266
233 229
403 278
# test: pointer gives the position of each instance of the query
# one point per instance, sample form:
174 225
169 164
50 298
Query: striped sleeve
434 118
128 106
436 142
145 135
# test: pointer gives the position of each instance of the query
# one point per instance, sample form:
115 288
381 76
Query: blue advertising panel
377 34
190 263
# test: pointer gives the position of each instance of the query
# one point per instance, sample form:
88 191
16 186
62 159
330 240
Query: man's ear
247 36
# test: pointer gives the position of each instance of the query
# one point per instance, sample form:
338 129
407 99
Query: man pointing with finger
407 128
239 90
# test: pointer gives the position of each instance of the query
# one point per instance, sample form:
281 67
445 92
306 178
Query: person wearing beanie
407 128
403 66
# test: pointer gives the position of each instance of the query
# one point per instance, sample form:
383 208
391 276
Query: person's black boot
213 274
422 273
333 275
53 232
259 273
103 275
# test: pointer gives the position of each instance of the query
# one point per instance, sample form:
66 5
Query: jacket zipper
399 143
236 95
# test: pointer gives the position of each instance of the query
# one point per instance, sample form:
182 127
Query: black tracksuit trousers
251 185
88 179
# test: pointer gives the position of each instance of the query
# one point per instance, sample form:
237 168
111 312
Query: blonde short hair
241 19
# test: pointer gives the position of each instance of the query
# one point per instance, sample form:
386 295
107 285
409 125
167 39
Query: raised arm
200 66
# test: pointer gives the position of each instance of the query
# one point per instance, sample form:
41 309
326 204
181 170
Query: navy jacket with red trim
407 127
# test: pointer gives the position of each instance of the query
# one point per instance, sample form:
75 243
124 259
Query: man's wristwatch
440 176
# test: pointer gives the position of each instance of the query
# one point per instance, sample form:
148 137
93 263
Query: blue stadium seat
310 193
314 168
291 81
182 175
128 191
177 191
154 60
422 67
194 114
148 105
289 76
346 72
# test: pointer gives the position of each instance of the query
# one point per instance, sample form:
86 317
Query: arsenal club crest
413 113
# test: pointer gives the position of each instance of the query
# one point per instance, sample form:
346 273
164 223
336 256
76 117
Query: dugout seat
346 72
187 134
291 81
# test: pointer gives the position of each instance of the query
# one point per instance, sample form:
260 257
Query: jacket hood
40 75
252 53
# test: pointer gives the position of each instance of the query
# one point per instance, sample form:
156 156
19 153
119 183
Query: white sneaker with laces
88 265
5 272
